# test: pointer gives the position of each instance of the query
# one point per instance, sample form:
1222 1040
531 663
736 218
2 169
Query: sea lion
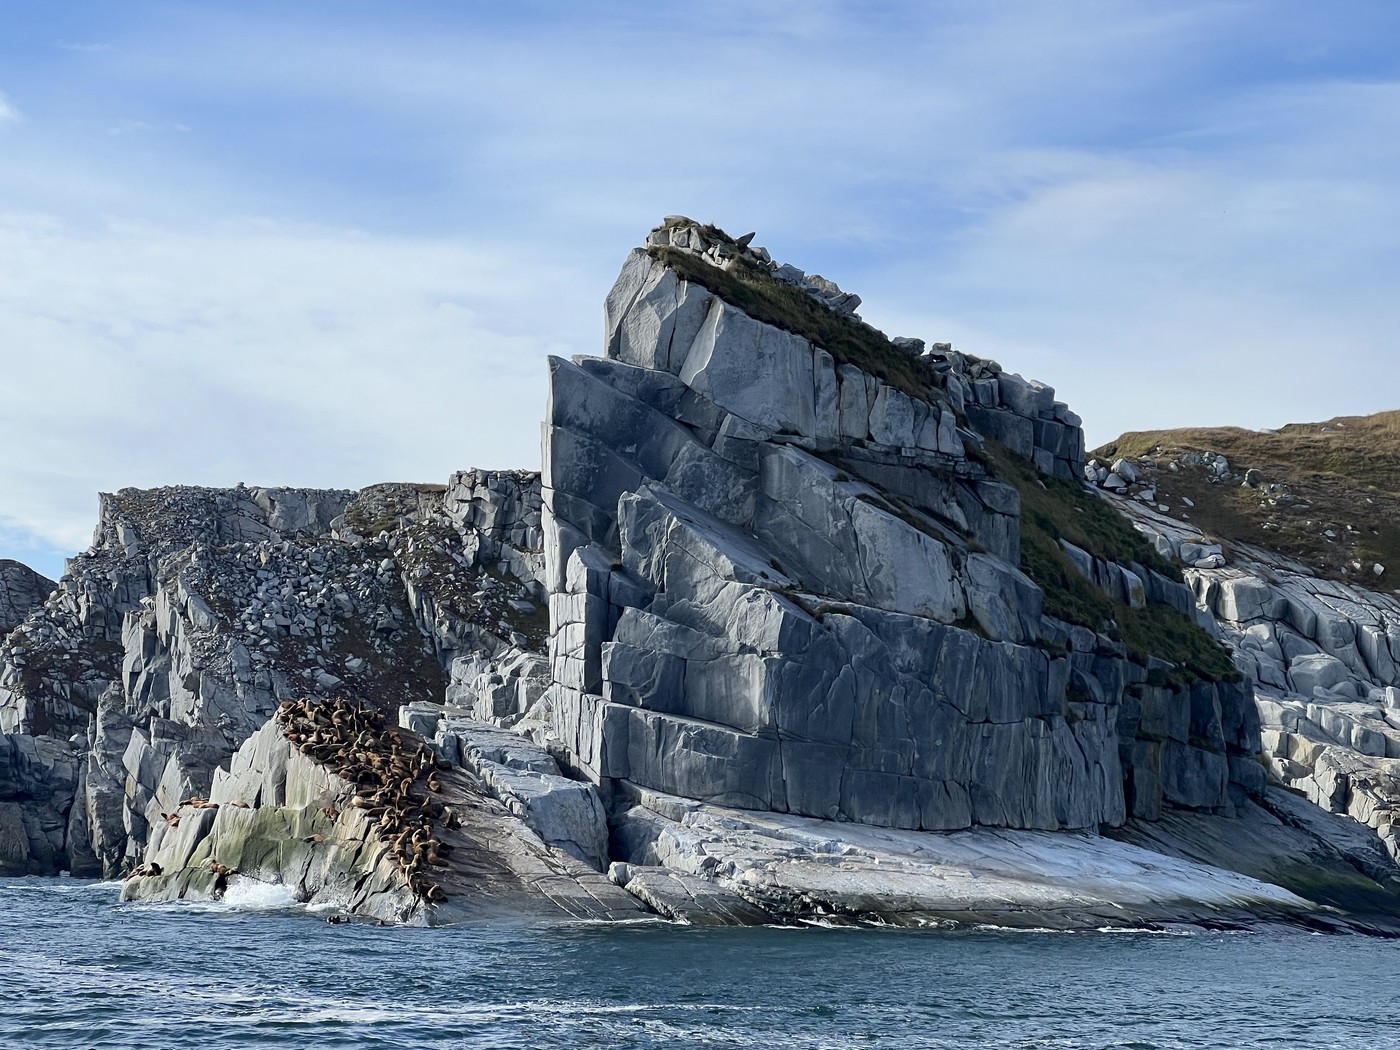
330 812
314 839
435 893
238 803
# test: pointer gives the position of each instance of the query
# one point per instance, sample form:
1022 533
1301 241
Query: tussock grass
1053 509
1343 472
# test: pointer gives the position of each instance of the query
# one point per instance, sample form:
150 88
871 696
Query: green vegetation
763 297
1342 475
1064 509
1053 509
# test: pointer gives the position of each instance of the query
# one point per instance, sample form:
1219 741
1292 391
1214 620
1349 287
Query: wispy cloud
253 351
9 114
69 45
136 127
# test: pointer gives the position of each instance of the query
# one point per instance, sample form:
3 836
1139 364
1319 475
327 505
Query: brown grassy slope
1341 476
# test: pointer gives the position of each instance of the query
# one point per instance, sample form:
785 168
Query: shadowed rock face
21 591
780 582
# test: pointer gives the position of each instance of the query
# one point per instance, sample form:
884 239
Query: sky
332 243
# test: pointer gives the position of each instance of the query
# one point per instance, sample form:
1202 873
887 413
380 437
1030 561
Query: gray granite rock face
22 590
780 583
566 814
279 816
197 611
1323 659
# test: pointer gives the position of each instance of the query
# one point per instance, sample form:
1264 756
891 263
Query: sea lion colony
355 743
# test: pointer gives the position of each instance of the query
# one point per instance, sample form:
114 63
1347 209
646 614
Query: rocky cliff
197 611
799 621
786 556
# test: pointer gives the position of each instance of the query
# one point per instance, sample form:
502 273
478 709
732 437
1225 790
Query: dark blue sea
81 970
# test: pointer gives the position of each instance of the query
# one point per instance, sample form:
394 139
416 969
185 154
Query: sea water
257 970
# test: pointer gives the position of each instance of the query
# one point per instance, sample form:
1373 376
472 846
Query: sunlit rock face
786 580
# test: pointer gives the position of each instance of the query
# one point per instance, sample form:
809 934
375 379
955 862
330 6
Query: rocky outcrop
1323 656
714 866
22 590
314 801
798 623
568 815
197 611
786 581
36 776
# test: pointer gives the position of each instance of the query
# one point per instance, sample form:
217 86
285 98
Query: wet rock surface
364 820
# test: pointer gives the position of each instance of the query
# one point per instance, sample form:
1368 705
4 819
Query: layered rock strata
781 582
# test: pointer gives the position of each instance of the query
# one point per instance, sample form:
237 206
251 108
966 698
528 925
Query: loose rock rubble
198 611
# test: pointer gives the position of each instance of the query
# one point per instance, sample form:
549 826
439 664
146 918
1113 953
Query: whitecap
252 895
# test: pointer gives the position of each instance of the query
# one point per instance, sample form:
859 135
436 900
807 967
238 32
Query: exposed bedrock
1324 660
22 590
780 582
197 611
359 818
798 621
714 866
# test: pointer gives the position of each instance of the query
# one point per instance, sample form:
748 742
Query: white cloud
265 354
69 45
8 113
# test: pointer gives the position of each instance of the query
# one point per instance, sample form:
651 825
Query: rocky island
797 622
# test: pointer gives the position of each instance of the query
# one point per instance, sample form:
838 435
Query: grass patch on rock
1342 475
1053 509
752 289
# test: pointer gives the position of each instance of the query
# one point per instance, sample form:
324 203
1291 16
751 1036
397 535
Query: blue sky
332 243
